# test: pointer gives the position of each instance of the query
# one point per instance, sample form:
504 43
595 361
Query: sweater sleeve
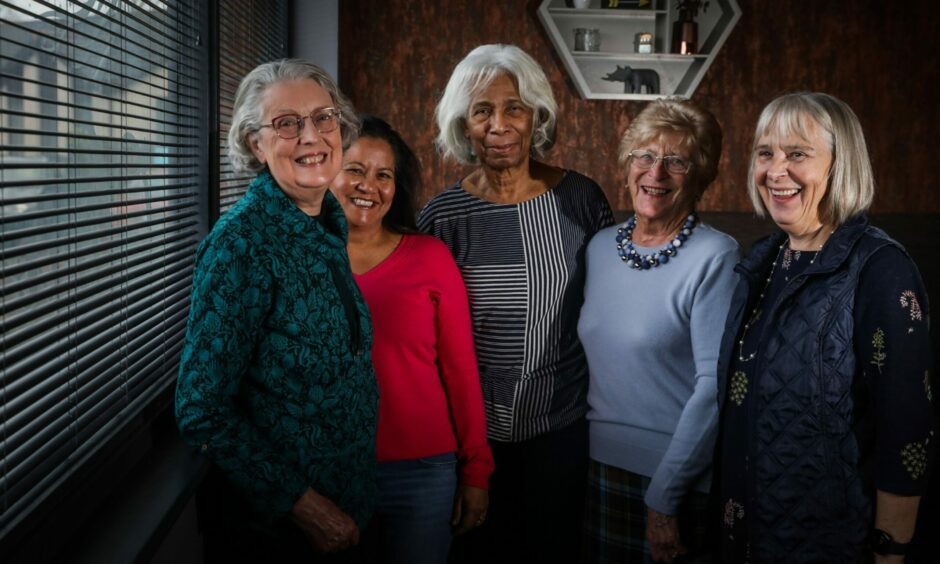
230 297
458 368
892 346
426 217
689 455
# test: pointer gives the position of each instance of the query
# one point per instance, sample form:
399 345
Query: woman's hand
327 527
662 532
470 505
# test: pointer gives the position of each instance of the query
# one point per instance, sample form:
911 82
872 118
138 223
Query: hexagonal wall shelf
616 67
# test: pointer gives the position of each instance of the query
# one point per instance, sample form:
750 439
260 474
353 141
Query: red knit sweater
430 400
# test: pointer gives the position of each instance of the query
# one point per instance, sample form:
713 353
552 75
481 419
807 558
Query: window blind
250 32
102 163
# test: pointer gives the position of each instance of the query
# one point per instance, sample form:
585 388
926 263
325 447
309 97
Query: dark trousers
247 546
229 537
536 502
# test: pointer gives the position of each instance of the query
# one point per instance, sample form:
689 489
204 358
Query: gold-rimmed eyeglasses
646 159
289 126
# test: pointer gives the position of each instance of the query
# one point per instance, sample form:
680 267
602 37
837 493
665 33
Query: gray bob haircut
698 129
474 73
247 113
851 180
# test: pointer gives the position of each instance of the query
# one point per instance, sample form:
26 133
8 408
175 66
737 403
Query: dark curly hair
401 215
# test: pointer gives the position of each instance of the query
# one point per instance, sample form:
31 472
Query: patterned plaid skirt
615 519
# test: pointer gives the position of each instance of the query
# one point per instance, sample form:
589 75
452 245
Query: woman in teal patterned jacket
276 385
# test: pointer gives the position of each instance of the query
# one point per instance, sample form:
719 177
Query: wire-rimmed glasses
647 159
289 126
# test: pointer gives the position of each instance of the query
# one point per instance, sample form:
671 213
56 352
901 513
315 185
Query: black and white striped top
523 265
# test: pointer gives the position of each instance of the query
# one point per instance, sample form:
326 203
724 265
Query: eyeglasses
674 164
289 126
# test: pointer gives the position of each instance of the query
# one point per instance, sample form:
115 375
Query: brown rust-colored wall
880 57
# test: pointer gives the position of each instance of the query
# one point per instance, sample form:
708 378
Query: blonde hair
851 180
699 130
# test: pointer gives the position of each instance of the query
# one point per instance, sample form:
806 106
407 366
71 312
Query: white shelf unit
679 75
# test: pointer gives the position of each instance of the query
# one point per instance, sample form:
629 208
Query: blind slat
123 190
93 151
59 211
104 220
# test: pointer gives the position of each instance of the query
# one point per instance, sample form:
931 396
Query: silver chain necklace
755 315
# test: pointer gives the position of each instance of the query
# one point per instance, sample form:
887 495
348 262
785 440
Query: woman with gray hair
276 384
517 229
826 424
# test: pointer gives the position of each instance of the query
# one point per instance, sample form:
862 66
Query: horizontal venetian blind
250 32
101 166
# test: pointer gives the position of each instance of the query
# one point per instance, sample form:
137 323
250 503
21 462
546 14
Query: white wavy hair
474 73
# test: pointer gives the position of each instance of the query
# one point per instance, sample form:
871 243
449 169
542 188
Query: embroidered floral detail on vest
909 299
738 387
879 356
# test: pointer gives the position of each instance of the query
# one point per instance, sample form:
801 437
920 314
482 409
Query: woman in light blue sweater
656 297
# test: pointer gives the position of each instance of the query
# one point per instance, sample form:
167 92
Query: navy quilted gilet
810 499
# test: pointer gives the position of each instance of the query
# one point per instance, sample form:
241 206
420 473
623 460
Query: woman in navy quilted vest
824 394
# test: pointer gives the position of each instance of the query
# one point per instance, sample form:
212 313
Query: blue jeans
416 500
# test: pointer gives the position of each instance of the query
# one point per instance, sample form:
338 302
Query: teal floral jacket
276 384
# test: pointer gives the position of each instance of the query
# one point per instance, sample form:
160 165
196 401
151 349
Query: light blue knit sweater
651 339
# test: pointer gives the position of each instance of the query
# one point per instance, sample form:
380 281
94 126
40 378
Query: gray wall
322 45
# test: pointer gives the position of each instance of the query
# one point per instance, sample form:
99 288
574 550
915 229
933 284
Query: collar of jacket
833 253
332 219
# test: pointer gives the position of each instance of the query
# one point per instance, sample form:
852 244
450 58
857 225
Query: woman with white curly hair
517 228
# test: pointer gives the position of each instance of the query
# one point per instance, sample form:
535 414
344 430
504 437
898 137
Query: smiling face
792 176
499 125
658 195
366 185
303 167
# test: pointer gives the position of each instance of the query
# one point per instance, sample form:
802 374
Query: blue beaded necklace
635 260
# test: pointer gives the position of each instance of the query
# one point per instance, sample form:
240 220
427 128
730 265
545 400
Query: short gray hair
474 73
698 129
851 180
246 115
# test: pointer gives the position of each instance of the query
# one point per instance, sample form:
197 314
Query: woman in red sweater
434 461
